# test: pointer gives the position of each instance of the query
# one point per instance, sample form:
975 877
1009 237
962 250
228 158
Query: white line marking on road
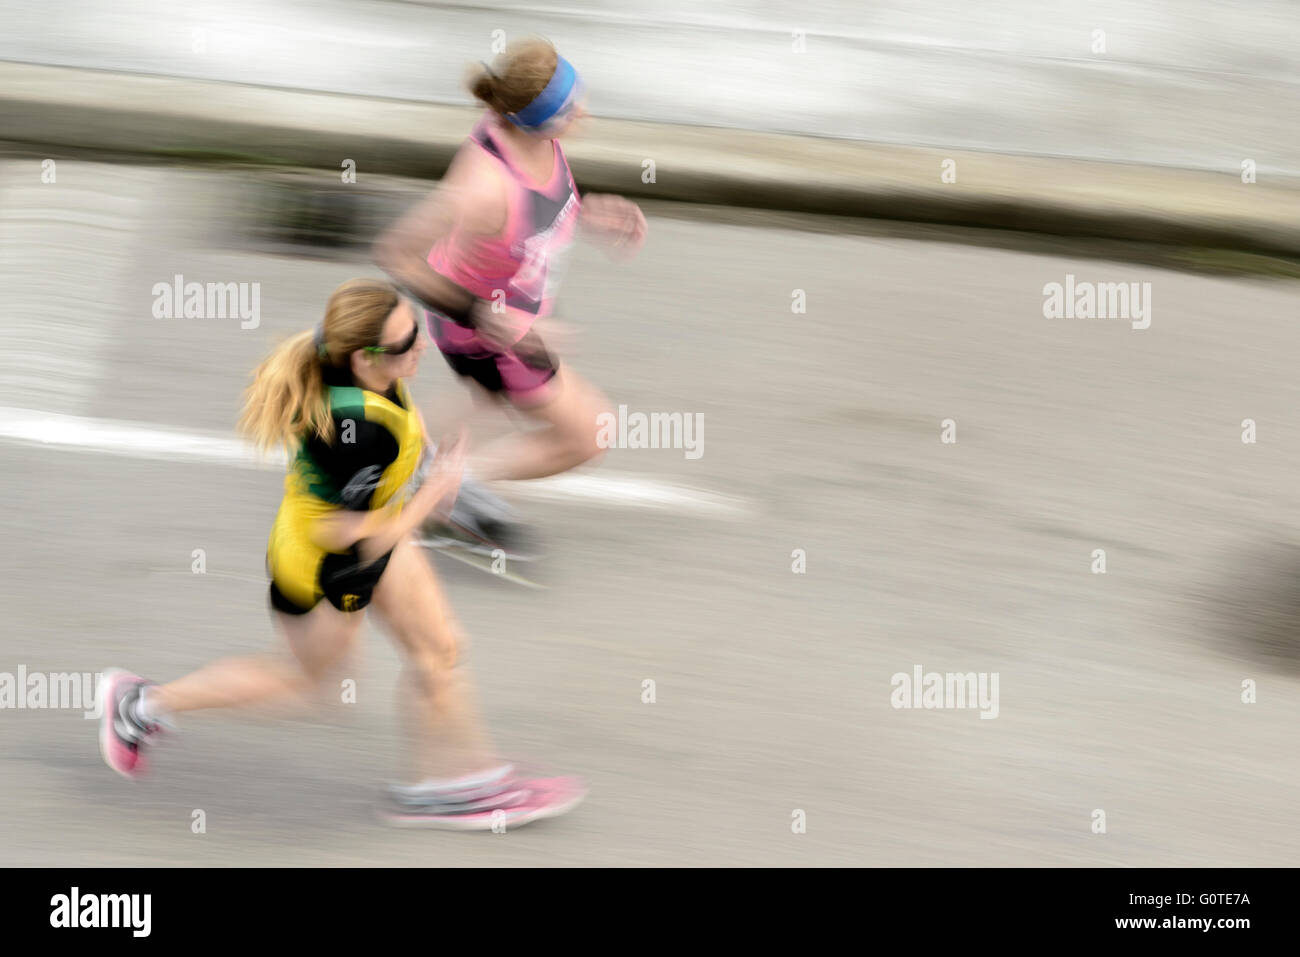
54 430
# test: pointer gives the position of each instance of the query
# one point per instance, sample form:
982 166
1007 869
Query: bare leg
319 640
475 406
440 718
567 438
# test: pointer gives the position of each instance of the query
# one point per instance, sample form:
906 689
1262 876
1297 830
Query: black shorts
346 580
522 373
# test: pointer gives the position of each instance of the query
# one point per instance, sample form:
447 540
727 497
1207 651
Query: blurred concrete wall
1195 83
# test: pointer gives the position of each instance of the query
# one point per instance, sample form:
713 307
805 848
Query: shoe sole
451 823
444 542
107 736
482 562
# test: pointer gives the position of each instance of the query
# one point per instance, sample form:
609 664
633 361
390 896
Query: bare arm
615 222
379 530
382 528
469 201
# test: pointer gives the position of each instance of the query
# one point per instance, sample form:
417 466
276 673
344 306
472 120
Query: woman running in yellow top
360 481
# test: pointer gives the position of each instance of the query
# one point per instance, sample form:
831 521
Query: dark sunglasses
402 348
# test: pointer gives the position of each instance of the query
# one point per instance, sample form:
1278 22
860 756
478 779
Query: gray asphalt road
1119 692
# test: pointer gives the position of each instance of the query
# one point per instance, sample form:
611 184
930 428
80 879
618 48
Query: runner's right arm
378 531
359 468
469 202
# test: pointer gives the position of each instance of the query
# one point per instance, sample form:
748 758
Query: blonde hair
286 403
520 73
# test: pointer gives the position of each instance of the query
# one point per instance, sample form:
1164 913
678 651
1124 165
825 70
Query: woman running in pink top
484 254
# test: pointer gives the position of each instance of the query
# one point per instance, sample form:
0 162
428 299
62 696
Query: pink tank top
524 263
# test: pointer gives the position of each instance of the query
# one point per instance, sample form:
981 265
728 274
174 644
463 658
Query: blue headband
558 94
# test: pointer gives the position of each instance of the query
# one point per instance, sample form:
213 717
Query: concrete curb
54 107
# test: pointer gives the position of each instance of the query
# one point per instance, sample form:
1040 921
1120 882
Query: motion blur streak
910 468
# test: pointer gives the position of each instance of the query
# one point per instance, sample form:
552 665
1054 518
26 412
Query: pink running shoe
121 733
521 801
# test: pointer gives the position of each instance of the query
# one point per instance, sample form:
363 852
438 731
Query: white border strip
53 430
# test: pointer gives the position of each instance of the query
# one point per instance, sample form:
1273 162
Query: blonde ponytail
286 402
